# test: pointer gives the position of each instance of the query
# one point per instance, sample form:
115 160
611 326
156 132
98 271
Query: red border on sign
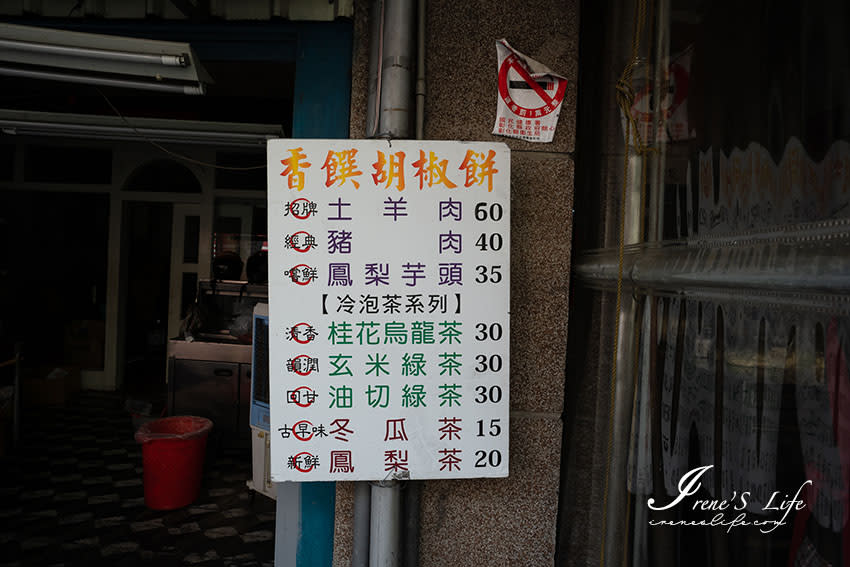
550 103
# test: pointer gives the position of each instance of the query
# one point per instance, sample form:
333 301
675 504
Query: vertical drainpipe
396 80
362 491
388 116
413 488
376 44
397 68
420 69
362 519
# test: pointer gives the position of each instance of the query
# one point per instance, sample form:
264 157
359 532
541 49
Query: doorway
53 265
147 250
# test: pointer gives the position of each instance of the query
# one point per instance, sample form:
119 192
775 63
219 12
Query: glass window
712 287
239 242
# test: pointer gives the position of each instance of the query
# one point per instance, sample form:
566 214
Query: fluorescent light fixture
61 55
180 60
223 134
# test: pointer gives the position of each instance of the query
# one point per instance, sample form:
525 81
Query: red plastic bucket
173 450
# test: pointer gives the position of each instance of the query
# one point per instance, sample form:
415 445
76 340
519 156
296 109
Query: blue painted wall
322 80
320 110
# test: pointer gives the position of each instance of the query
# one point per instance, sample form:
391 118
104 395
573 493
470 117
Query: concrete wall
514 520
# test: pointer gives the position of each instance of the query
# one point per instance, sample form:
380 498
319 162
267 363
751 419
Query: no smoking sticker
666 120
530 96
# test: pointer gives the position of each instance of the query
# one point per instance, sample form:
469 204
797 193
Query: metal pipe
396 69
621 404
395 72
129 132
657 160
103 81
376 30
362 520
624 384
806 260
385 525
410 544
362 529
390 85
413 488
420 70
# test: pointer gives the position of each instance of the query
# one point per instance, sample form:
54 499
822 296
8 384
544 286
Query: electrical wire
172 153
625 100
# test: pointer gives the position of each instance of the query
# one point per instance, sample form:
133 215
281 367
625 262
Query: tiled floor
73 495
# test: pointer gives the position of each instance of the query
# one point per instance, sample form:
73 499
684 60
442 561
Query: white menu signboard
389 287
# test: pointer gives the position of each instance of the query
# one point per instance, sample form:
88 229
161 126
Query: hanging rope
625 99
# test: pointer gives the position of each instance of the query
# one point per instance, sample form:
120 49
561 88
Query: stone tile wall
514 520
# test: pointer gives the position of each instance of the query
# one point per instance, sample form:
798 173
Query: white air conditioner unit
261 480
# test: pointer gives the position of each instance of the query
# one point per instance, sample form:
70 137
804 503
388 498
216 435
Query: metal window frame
19 122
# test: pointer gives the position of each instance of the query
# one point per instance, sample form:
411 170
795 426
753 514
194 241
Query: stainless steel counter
222 351
213 380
